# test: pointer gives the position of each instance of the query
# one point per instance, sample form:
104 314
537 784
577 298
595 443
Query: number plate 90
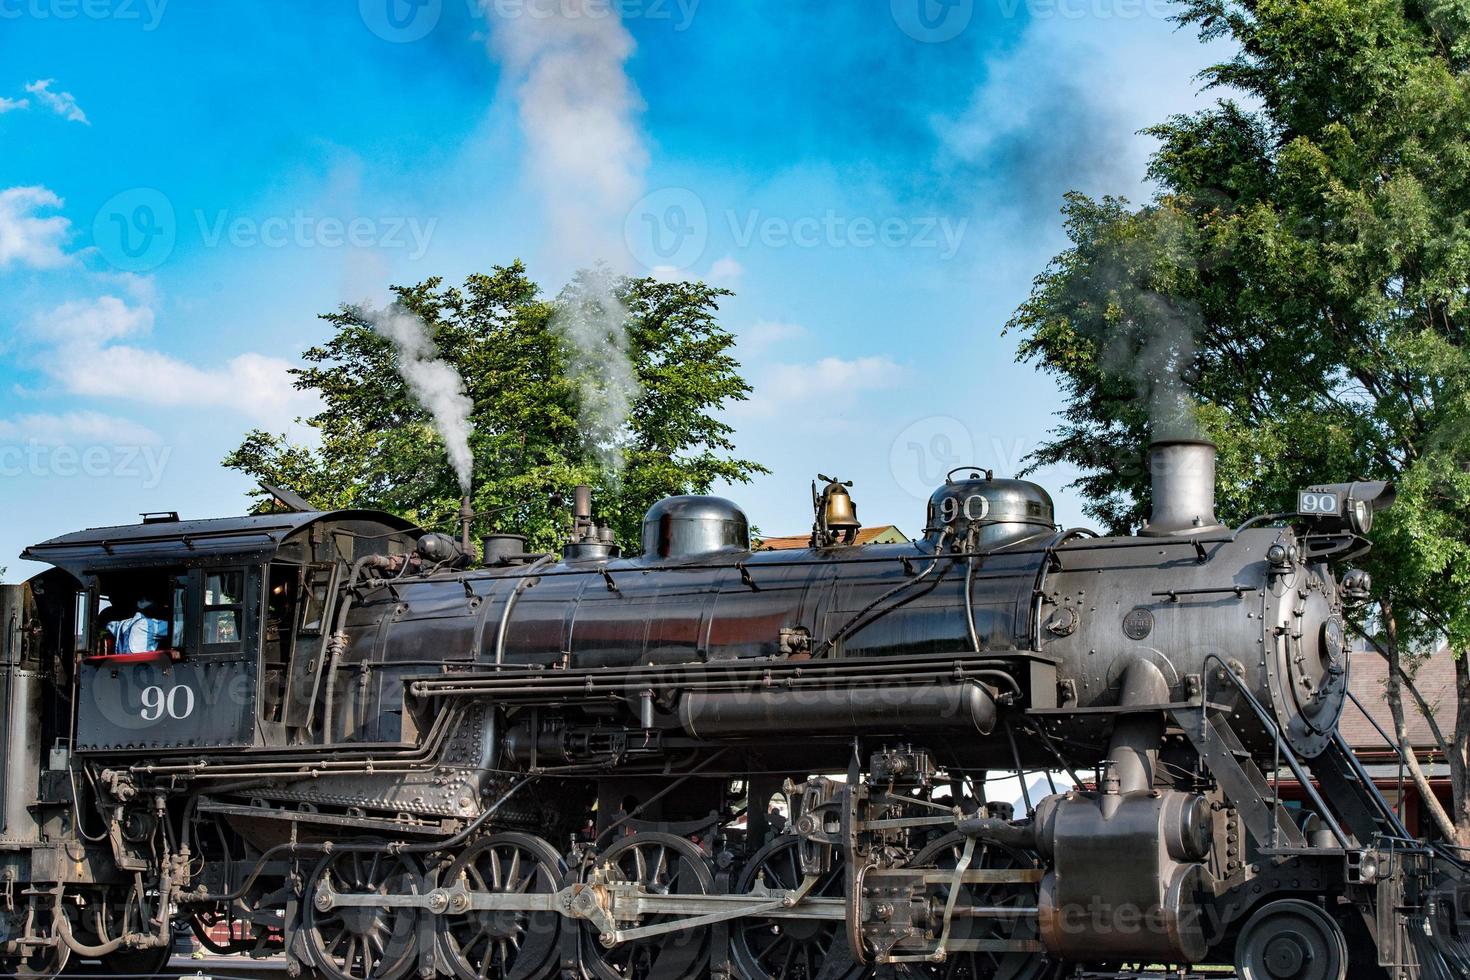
1317 503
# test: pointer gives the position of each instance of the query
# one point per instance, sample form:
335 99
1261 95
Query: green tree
1297 290
531 436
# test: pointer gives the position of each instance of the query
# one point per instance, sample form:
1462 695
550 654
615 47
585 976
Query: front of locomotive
1190 610
1188 648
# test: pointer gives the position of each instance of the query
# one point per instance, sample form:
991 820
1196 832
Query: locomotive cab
190 635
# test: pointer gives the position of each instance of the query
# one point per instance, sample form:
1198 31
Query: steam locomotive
342 739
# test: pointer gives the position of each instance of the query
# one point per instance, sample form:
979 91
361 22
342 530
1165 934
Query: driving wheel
368 941
503 945
779 948
664 864
1291 939
999 945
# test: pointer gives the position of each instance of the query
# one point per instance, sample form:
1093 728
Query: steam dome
683 527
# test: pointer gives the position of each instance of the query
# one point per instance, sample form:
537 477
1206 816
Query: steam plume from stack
1156 338
586 156
592 321
434 384
577 107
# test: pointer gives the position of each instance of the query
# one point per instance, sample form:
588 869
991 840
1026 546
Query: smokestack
466 519
582 504
1183 478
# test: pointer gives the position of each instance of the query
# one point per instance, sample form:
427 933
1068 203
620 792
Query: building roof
879 534
1435 679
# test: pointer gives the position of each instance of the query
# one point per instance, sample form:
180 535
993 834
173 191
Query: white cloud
822 391
253 384
70 428
86 352
762 335
93 322
726 271
27 239
64 104
141 289
12 105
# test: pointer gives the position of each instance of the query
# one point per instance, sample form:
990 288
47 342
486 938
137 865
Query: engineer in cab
138 629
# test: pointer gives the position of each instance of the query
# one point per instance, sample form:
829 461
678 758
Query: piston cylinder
1126 878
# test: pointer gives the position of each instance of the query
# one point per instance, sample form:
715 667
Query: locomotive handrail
345 757
1385 810
1173 594
1282 748
595 568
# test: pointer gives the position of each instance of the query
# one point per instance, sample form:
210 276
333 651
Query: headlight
1362 516
1345 506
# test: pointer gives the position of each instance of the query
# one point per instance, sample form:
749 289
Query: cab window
140 611
223 618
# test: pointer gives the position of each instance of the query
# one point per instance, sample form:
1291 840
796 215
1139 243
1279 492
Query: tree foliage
1297 289
378 447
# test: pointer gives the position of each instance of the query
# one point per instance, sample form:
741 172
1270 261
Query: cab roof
255 538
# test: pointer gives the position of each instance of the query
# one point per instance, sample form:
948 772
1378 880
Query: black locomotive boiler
339 738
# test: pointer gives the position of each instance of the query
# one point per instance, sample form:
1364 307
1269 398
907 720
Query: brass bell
841 512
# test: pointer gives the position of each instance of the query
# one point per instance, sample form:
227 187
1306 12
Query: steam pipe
1134 749
337 645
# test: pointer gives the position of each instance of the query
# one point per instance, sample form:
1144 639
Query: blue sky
184 186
